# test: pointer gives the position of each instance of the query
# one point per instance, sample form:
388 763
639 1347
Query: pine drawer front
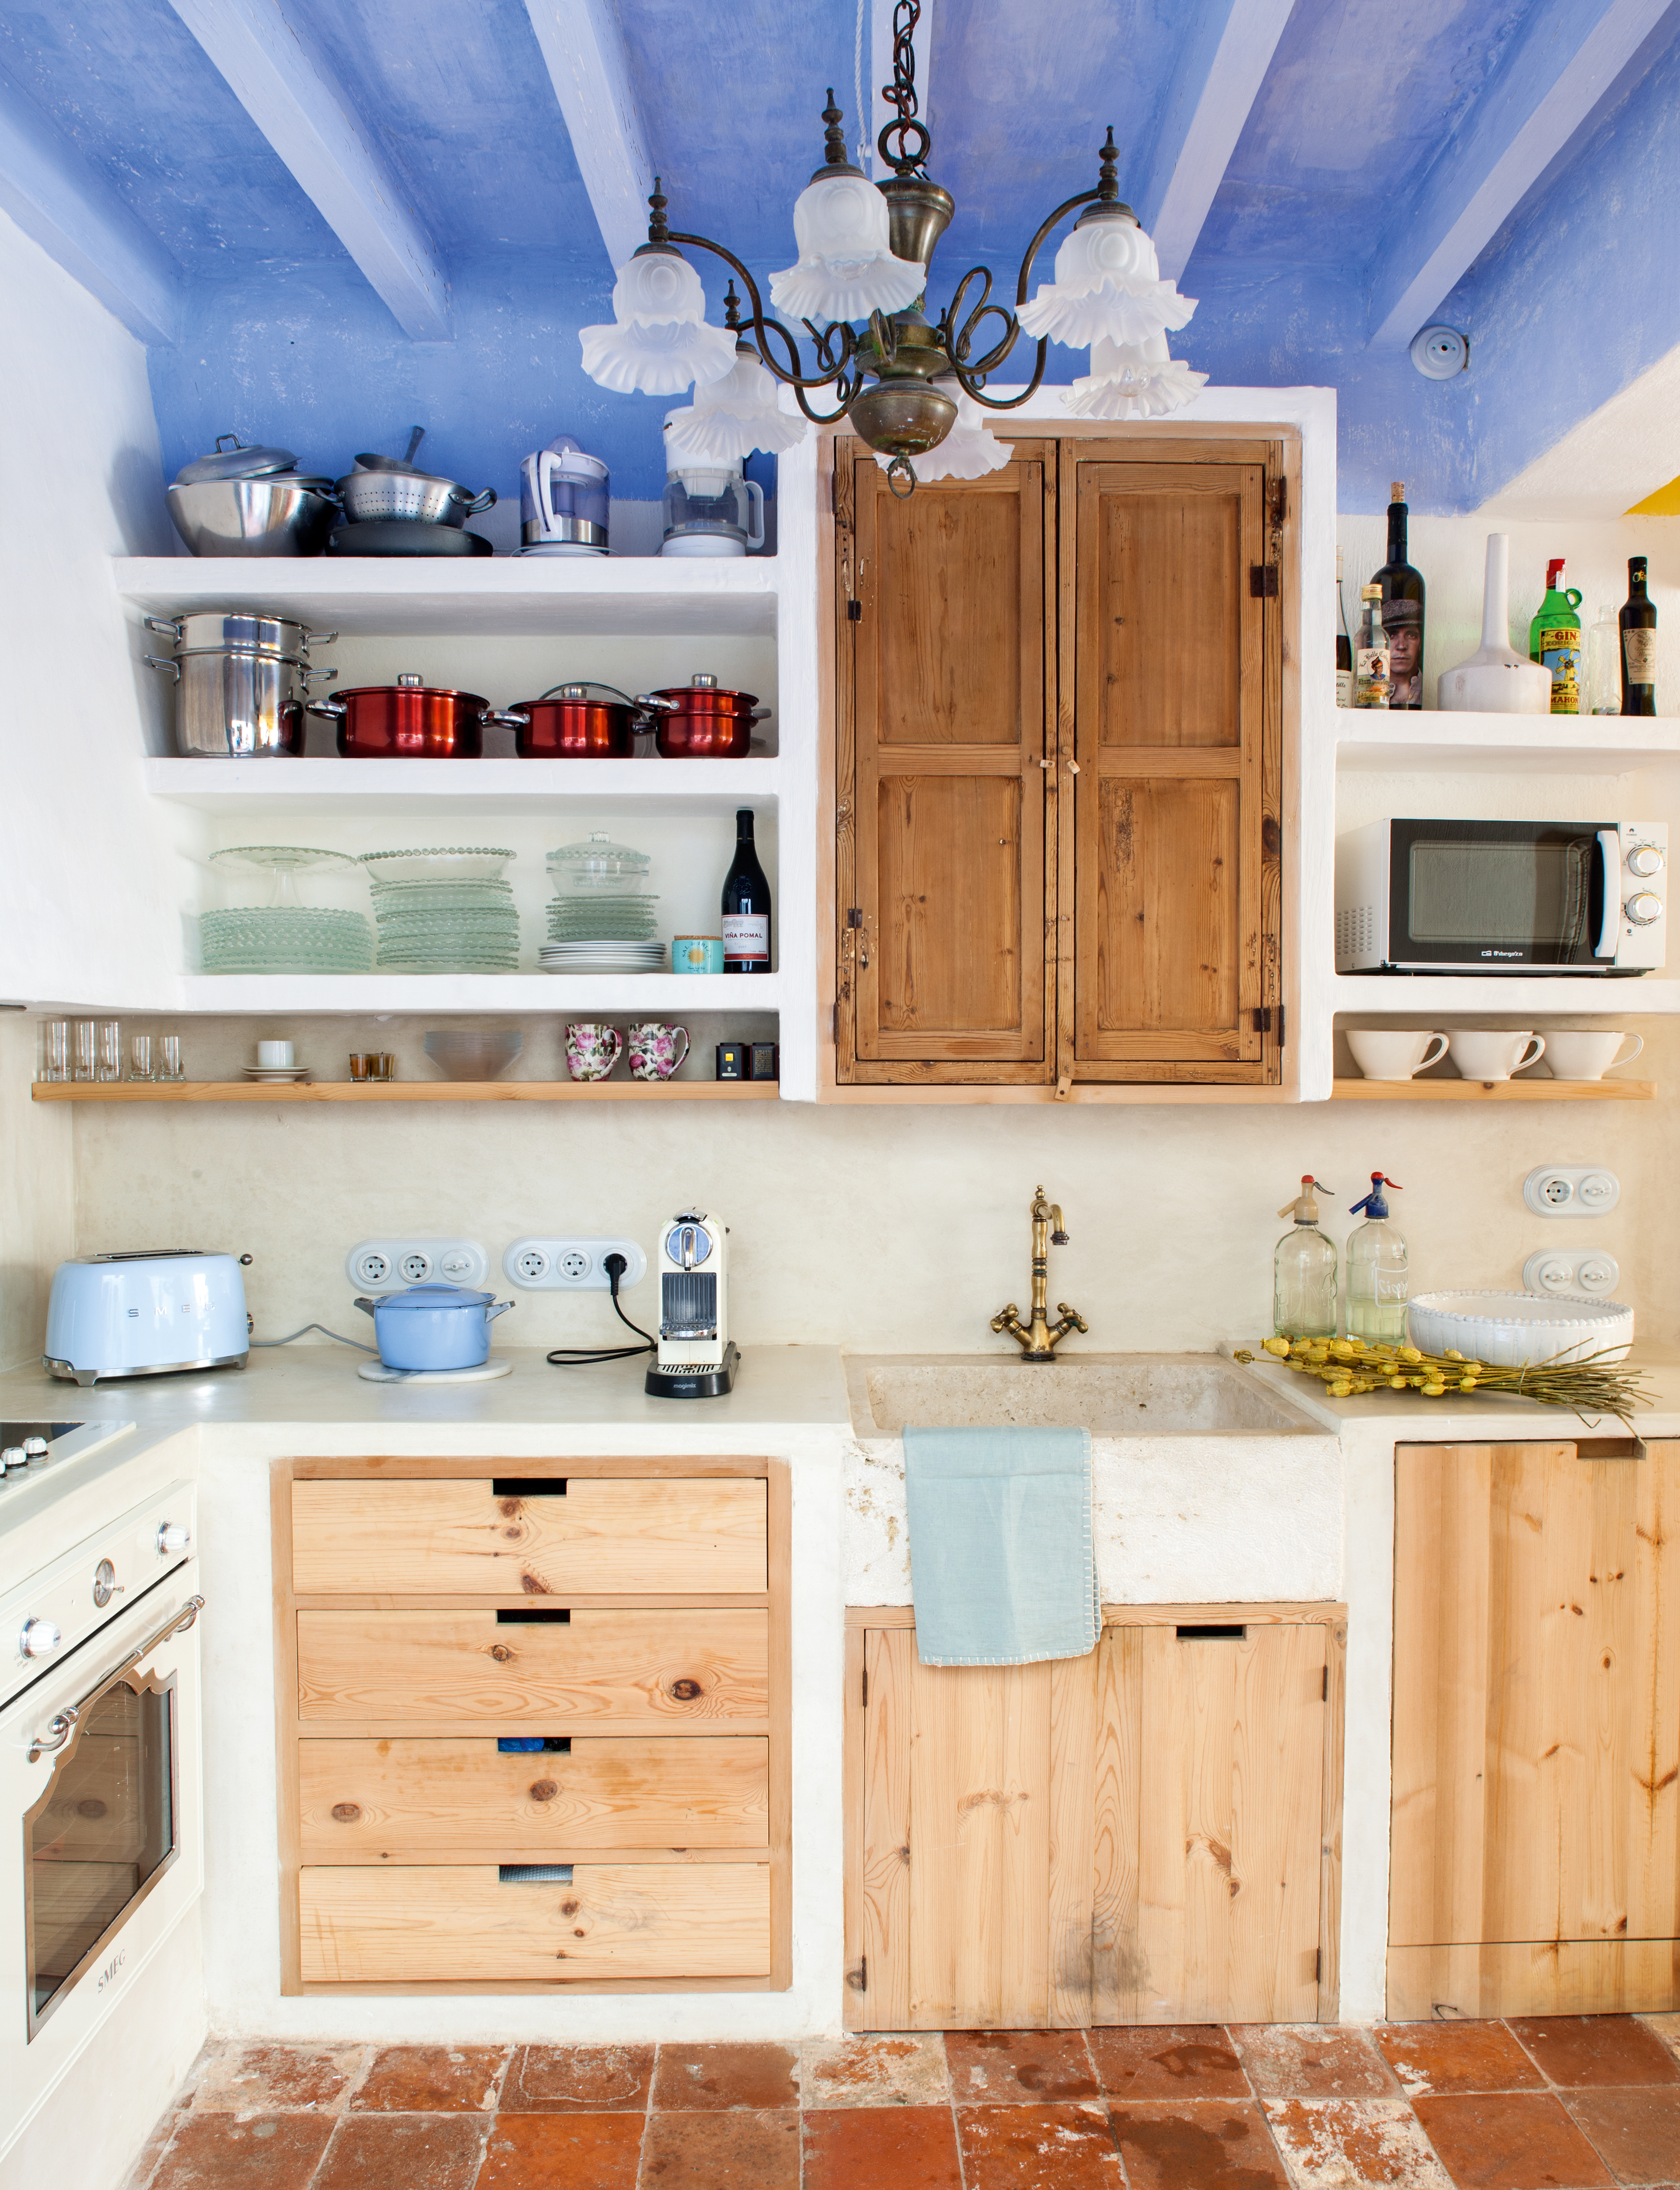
607 1535
412 1801
601 1672
442 1924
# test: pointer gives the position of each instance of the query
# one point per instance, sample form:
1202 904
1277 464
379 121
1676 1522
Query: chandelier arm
970 386
761 320
958 340
846 386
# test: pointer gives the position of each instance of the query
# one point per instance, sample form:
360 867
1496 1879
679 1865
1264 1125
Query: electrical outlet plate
1593 1273
1571 1190
571 1266
387 1266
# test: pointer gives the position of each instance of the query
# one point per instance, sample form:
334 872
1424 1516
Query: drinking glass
359 1063
87 1050
110 1052
139 1057
1603 664
384 1066
54 1049
169 1059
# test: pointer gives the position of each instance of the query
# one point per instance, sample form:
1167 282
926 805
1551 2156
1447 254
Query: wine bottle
1344 645
747 906
1638 620
1402 610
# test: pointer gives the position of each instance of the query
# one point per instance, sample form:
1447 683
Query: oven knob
1643 907
1644 859
173 1536
39 1638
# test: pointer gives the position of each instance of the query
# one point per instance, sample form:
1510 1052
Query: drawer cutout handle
528 1744
1212 1633
535 1618
528 1486
534 1874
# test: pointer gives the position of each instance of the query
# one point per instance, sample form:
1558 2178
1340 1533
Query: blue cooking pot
434 1327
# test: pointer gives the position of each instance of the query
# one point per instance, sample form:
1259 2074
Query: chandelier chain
906 132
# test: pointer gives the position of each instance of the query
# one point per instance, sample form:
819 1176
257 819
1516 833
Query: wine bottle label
1560 654
1344 688
1639 651
746 937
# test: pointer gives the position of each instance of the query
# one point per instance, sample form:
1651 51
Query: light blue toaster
145 1314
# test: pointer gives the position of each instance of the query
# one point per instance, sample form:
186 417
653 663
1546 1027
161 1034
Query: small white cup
1492 1053
1393 1053
1588 1055
275 1052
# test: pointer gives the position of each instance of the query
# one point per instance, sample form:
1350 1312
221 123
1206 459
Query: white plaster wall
92 890
37 1196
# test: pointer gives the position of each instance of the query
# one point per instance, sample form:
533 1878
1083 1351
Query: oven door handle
63 1724
1609 850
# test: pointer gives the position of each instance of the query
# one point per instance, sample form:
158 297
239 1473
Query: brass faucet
1038 1339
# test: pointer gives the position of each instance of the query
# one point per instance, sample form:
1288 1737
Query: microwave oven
1501 897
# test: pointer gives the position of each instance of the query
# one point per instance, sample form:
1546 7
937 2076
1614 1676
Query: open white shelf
494 595
442 788
1374 742
648 995
1526 994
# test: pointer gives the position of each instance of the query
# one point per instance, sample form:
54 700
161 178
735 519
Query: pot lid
597 858
704 692
435 1295
235 462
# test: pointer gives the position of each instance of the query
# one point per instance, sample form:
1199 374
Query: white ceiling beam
1571 54
878 60
583 43
291 95
1221 65
72 211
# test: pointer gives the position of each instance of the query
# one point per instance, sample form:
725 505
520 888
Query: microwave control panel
1636 914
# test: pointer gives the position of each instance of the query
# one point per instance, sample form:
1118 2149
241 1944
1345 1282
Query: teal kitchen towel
1002 1567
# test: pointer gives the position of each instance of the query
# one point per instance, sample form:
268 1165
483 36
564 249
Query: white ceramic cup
1492 1053
275 1052
1588 1055
1393 1053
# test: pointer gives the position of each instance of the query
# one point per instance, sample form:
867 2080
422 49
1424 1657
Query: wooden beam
1227 51
583 43
290 93
79 221
1569 56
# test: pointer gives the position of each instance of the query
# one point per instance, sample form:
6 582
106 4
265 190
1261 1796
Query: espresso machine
696 1358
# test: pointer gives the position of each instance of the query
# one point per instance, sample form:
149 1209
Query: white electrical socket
1571 1190
386 1266
571 1265
1594 1271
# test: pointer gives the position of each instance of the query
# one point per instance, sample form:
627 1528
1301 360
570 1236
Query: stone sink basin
1112 1395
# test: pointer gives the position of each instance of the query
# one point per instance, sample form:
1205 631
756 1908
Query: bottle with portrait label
1639 621
1370 652
747 906
1402 610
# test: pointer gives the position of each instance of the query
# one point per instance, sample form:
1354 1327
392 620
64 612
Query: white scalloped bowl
1510 1330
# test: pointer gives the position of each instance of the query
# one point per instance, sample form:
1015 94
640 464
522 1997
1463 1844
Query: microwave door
1496 897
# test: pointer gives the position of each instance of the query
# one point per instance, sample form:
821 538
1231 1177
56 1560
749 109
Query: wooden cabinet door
947 696
1140 1835
1170 868
1536 1842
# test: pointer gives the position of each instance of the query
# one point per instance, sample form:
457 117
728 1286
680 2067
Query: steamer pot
232 703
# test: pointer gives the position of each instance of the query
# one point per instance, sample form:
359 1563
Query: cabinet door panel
404 1801
453 1537
429 1924
945 684
1165 606
665 1672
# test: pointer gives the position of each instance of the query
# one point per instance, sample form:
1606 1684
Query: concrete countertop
1408 1418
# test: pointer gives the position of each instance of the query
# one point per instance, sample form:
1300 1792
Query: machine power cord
335 1336
577 1357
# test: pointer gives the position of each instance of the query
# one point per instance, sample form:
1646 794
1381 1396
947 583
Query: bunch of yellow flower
1350 1366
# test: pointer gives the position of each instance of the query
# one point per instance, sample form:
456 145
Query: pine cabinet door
1536 1843
946 705
1169 870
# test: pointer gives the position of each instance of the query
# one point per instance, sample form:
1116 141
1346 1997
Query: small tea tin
731 1060
696 954
763 1061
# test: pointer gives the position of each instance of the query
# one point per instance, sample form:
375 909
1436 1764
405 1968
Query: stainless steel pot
232 703
249 630
413 498
278 515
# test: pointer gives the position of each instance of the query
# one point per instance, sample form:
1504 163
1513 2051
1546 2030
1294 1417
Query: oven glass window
1530 895
103 1830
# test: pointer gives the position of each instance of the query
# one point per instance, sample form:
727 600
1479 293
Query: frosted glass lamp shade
1108 287
846 269
969 450
658 343
730 417
1134 380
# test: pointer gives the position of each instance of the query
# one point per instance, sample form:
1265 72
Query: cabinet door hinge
1267 1017
1263 581
859 1979
854 611
1280 508
866 1688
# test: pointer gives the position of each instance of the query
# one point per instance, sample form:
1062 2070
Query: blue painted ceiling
283 339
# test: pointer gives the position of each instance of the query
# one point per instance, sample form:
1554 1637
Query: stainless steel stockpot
249 630
234 703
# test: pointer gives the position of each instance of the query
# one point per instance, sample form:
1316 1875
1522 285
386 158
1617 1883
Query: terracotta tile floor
1562 2103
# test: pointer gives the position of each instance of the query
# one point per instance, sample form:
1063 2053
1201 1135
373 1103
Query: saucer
284 1073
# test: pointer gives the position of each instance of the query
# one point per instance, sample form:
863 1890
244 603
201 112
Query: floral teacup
655 1051
592 1050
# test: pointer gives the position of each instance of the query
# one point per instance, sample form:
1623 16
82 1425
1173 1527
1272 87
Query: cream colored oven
100 1802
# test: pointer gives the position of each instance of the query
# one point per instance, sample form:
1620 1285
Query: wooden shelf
410 1091
1494 1090
1371 741
465 789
